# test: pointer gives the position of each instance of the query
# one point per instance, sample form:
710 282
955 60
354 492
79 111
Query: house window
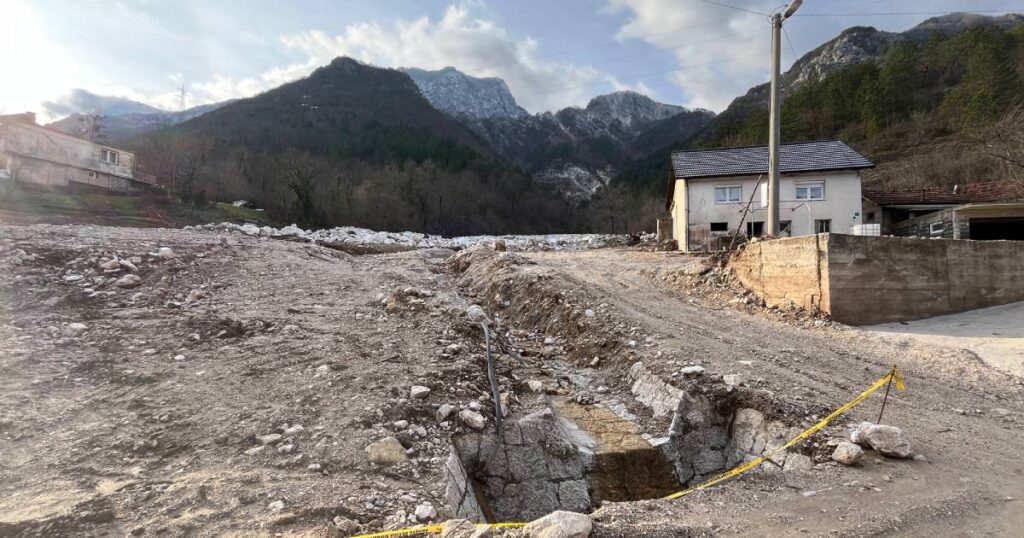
755 229
92 174
108 156
936 228
822 226
725 195
785 228
719 226
810 190
869 216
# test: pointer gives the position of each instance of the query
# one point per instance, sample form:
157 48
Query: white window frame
807 186
728 192
936 231
816 226
109 156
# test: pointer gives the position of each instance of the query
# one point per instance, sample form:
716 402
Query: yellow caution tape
893 376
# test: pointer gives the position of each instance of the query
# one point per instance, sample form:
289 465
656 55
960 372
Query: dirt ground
995 334
142 410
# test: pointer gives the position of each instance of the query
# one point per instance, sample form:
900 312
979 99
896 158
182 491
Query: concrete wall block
573 495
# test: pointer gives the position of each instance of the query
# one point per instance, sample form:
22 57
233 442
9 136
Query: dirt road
952 409
214 384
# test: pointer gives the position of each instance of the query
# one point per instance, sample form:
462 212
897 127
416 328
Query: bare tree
1004 140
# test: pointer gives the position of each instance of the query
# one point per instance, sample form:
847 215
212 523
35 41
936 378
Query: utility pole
773 122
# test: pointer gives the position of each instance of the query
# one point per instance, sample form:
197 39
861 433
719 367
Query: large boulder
560 524
886 440
387 451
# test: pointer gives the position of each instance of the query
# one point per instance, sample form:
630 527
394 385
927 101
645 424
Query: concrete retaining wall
863 280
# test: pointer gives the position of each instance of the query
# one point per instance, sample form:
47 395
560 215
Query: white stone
165 253
476 314
732 380
535 385
255 450
419 392
400 424
270 438
425 512
179 358
443 412
472 419
886 440
692 370
560 524
276 506
75 329
589 313
387 451
128 281
293 429
847 453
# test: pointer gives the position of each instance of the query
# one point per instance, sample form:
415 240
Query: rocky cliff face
574 150
122 126
465 97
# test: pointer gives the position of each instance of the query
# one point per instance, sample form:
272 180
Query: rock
276 506
476 406
179 358
313 467
294 429
1002 412
476 314
454 349
425 512
270 438
128 281
387 451
458 528
692 370
560 524
732 380
400 424
419 392
194 296
886 440
125 264
110 265
472 419
589 313
847 453
500 246
444 412
535 385
165 253
345 526
75 329
255 450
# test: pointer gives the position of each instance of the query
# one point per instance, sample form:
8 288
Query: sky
552 53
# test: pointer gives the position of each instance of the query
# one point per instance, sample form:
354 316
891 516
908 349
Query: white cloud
475 46
721 52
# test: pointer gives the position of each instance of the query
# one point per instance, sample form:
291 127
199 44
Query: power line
648 74
790 42
900 13
720 4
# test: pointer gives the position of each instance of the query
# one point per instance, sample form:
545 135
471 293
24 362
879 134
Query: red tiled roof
991 191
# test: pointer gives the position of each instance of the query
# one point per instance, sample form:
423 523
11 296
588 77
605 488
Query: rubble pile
348 235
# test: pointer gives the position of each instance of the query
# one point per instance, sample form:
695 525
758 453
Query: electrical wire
737 8
902 13
790 42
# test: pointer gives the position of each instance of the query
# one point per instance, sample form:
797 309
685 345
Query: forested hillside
351 145
930 110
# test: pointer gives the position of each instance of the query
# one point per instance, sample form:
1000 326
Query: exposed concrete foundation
862 280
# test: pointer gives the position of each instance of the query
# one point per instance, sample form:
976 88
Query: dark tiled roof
991 191
753 160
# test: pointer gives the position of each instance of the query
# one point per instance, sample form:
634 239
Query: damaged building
988 210
31 154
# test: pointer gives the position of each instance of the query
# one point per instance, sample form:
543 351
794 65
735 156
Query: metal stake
892 374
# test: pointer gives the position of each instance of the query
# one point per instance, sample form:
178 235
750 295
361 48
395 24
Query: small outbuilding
983 210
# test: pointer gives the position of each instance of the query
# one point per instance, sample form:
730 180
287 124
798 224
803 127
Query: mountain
465 97
82 101
574 150
350 144
116 127
907 100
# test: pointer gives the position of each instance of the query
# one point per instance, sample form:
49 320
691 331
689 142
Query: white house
715 194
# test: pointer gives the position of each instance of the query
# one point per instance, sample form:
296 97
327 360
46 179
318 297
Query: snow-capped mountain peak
462 96
629 107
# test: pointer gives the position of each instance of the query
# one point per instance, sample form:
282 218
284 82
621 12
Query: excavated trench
558 454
